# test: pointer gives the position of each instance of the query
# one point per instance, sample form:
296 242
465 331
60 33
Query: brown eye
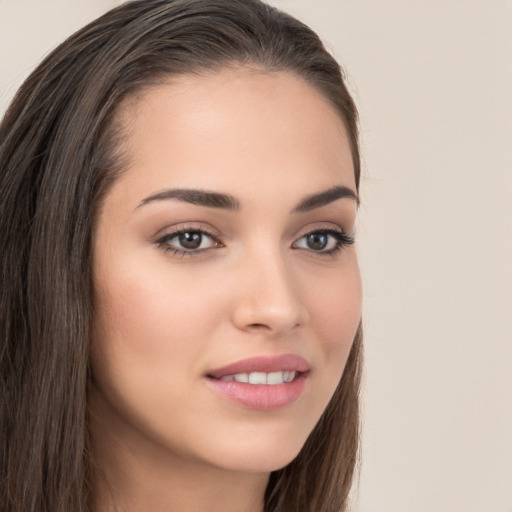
187 241
190 240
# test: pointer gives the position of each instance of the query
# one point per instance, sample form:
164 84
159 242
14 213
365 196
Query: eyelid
181 227
346 238
163 237
342 238
325 226
171 232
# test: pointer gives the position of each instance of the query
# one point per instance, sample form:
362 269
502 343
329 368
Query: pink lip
260 396
267 364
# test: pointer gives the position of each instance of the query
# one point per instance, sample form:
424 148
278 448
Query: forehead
237 129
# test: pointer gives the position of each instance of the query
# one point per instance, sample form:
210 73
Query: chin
264 461
260 451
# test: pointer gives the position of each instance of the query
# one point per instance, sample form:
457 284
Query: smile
261 383
269 379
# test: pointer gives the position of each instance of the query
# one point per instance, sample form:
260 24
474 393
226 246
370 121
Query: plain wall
433 81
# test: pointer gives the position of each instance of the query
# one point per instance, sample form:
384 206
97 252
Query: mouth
261 383
268 379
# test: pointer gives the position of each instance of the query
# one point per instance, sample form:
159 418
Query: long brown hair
58 154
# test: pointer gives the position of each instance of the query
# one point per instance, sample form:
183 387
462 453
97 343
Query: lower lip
262 397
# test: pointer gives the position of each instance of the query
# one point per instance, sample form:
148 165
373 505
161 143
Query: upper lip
266 364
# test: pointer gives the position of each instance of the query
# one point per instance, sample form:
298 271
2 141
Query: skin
162 438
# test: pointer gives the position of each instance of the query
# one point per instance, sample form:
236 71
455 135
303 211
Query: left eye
324 241
187 241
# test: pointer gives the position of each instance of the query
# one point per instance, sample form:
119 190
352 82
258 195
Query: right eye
187 242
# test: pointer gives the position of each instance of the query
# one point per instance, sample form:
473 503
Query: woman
180 297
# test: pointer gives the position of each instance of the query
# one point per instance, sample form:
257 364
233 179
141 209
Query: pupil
317 241
190 240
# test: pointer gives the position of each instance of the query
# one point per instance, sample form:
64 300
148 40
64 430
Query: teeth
289 376
261 377
275 378
257 378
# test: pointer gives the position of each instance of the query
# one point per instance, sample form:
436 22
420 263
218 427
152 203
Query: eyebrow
324 198
228 202
197 197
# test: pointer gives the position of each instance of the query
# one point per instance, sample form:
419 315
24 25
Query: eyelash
341 238
163 242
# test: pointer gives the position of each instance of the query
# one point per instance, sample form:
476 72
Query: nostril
268 327
259 326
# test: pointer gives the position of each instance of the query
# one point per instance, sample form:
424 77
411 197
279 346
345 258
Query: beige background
433 81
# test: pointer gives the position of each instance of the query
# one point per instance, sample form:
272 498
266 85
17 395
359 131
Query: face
227 289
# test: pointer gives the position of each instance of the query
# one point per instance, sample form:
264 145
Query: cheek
147 309
146 344
148 317
129 335
335 313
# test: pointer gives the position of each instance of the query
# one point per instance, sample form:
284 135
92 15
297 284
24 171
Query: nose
268 298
